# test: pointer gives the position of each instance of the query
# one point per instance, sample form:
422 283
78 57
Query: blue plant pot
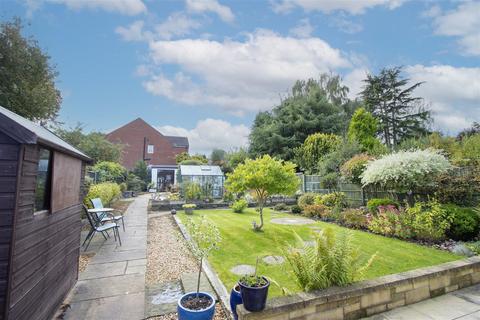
254 298
235 299
186 314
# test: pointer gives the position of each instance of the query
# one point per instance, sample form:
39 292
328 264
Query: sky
204 68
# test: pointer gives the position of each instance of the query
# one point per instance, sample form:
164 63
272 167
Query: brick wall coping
287 307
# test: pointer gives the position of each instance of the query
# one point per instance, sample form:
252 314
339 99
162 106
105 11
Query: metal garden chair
97 227
106 216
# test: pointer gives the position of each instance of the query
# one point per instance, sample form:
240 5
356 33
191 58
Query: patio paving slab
113 284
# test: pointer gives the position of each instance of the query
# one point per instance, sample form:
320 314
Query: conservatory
209 178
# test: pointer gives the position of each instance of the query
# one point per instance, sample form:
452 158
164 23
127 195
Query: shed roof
186 170
28 132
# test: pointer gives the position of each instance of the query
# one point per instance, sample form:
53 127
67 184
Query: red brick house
143 142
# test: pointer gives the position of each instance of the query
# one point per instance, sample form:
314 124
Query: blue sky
204 68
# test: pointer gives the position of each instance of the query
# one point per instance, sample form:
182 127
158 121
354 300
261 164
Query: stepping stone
273 260
162 298
189 283
292 221
243 269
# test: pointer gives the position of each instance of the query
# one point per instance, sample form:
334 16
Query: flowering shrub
373 204
391 221
354 218
316 211
353 168
406 170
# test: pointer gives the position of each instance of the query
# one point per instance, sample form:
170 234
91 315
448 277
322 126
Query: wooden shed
41 189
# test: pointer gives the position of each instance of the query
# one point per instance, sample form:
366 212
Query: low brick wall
372 296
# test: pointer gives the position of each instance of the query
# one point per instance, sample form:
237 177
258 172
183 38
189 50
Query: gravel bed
84 260
168 258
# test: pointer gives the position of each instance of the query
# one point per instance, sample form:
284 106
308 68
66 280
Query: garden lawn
241 245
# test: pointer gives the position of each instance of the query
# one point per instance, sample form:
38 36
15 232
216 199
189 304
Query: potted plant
204 238
235 300
189 207
254 291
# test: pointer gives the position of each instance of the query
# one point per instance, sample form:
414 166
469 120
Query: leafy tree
234 158
217 157
141 171
312 106
94 144
264 177
388 97
184 156
27 79
363 129
315 147
110 171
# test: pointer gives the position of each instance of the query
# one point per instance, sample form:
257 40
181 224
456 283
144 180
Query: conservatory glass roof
186 170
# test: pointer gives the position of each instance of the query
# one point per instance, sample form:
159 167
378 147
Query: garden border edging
212 277
373 296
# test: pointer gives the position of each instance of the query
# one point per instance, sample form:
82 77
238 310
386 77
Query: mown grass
241 245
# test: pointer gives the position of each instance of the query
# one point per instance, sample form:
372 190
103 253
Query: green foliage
94 144
473 130
329 166
354 218
317 211
306 199
474 246
296 209
141 171
191 191
280 207
435 140
253 281
406 170
388 97
136 184
430 221
470 149
466 223
460 187
234 158
263 177
312 106
189 206
352 169
363 129
197 159
333 261
107 191
392 222
108 171
373 204
239 205
217 157
332 200
314 148
27 77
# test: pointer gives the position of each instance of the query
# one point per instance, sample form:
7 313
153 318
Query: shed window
150 148
44 178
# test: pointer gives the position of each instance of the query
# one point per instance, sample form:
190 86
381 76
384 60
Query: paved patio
113 284
462 304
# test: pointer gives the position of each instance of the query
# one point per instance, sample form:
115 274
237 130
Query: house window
44 178
150 148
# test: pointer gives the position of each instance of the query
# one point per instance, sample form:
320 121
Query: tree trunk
199 276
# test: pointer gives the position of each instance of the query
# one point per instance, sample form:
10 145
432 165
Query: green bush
107 191
465 225
373 204
316 211
460 187
354 218
192 191
333 261
239 205
295 209
110 172
353 168
430 221
390 221
332 200
306 199
280 207
123 186
474 246
136 184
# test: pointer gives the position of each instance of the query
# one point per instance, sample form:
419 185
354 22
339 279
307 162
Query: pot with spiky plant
204 237
254 291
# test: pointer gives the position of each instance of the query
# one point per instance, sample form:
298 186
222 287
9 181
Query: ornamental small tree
363 129
205 237
314 148
265 176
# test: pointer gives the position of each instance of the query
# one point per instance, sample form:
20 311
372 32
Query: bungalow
141 141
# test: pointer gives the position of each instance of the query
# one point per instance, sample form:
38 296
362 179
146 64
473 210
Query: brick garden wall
372 296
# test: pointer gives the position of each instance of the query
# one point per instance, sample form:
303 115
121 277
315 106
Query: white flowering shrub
406 170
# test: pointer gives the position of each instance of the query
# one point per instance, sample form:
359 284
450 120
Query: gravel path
168 257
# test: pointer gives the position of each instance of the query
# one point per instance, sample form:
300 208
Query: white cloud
200 6
463 22
303 29
127 7
454 94
177 24
209 134
239 76
354 81
329 6
346 25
